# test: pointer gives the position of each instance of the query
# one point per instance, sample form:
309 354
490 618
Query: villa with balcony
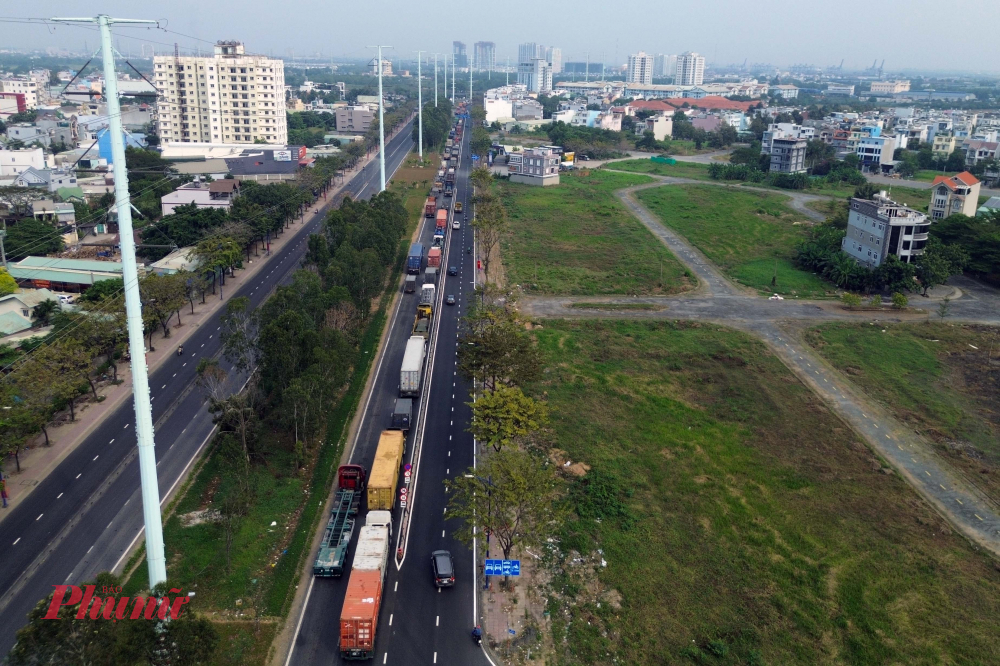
954 194
879 227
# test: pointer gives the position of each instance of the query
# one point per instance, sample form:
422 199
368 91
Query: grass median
749 235
940 379
739 520
577 238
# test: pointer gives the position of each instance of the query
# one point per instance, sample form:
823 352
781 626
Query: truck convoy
412 369
343 512
414 258
359 616
430 206
385 471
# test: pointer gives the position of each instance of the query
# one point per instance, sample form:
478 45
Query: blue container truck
414 258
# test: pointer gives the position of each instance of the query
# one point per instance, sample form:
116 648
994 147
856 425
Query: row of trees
512 496
437 124
297 350
591 141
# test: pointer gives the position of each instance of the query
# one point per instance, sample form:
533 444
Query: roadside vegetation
239 530
691 170
727 517
578 238
940 379
751 236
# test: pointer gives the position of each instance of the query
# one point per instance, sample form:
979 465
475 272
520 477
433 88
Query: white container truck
412 369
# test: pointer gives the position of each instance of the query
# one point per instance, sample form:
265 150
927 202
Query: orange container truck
363 599
430 207
434 257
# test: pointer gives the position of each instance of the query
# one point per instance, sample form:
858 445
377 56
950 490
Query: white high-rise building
484 56
664 66
228 97
640 68
540 80
554 56
22 85
526 55
690 69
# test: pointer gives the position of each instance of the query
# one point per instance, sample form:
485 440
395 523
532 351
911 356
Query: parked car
452 270
450 300
444 568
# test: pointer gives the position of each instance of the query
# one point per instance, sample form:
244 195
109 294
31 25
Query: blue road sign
475 158
502 567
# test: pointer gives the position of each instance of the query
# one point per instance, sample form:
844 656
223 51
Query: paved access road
83 517
418 623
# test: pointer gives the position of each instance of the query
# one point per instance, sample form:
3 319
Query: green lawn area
936 377
745 233
741 522
578 239
680 170
413 182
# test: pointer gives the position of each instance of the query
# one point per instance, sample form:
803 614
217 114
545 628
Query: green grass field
747 234
940 379
577 238
741 522
691 170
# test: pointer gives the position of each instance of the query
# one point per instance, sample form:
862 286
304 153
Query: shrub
899 301
875 301
850 300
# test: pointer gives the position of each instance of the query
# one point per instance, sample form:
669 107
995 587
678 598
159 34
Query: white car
455 224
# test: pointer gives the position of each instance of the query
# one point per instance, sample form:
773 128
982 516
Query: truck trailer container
410 284
441 221
340 528
430 275
363 598
449 189
434 257
385 471
413 367
414 258
402 414
430 206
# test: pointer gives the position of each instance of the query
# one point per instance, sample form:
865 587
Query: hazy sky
921 34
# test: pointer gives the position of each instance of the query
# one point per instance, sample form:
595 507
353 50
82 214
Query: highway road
418 623
85 515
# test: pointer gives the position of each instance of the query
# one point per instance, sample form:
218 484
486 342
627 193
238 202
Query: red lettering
175 610
122 607
58 599
85 604
103 608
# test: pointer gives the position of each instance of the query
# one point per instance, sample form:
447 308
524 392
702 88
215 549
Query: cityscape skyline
730 39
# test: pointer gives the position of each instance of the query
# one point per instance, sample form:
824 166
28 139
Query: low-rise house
788 155
661 126
356 118
879 227
217 194
179 260
977 151
944 145
537 166
16 309
990 206
68 275
13 162
954 194
875 152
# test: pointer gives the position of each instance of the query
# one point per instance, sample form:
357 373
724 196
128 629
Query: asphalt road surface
418 623
85 515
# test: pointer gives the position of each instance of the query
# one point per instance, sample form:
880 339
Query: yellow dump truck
385 470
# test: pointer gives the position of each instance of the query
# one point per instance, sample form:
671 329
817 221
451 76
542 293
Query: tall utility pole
420 110
586 75
155 561
453 78
435 80
508 70
604 56
381 117
470 85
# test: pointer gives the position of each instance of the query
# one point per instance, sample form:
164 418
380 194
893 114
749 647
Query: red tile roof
967 178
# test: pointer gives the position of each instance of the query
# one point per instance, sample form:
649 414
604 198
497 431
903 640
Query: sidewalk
38 460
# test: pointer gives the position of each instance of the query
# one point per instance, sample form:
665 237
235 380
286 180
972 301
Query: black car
444 568
450 300
452 270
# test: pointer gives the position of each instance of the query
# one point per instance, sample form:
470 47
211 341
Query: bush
850 300
899 301
875 301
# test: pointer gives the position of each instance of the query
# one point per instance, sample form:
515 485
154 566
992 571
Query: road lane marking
39 517
977 516
15 541
127 425
390 619
90 549
396 586
927 473
437 621
59 495
163 387
112 441
435 657
78 475
384 657
960 501
442 534
942 487
96 457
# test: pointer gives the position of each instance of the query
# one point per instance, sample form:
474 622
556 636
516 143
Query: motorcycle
477 635
180 350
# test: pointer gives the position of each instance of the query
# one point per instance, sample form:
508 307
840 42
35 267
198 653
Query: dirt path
718 300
